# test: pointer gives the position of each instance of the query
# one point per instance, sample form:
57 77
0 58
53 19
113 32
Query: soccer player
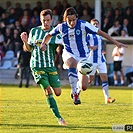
42 62
97 58
74 33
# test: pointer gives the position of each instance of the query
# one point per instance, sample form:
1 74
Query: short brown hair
94 19
69 11
46 12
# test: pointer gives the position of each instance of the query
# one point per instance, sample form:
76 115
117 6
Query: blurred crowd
116 21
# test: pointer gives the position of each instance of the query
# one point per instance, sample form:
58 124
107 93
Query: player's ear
76 15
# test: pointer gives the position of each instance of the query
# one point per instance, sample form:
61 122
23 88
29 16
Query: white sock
115 82
78 87
105 89
122 81
73 78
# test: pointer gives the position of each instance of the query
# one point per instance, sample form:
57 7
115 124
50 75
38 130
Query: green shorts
49 74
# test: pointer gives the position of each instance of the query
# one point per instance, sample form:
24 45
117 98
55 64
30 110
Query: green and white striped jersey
41 58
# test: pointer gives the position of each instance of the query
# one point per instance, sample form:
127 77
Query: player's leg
83 81
122 74
102 69
21 76
105 88
116 68
73 78
41 78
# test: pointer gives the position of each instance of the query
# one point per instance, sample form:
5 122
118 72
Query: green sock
53 106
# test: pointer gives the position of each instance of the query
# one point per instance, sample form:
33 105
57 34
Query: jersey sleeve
90 28
87 39
58 39
30 39
55 30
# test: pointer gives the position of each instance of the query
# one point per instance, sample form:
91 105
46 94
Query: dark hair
94 19
69 11
46 12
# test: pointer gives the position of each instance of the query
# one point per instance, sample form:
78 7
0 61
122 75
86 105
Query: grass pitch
25 110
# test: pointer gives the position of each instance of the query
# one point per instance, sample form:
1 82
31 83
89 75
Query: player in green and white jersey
42 62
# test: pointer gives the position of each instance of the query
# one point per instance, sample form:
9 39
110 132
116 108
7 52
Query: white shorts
66 55
99 67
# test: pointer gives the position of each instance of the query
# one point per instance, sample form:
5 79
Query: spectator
38 7
108 8
118 56
32 24
120 8
130 6
58 7
24 65
114 30
8 7
65 5
18 26
124 33
110 16
79 8
56 18
28 8
106 25
17 43
88 8
86 16
1 11
118 16
25 20
127 27
36 16
46 5
18 10
128 15
8 39
12 16
4 19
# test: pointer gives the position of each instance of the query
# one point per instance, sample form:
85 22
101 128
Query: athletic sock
115 82
52 105
105 89
78 88
73 78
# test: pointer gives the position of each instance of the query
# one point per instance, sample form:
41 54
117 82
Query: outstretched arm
105 35
45 40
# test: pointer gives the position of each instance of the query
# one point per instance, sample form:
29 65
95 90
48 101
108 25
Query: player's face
95 23
46 22
71 20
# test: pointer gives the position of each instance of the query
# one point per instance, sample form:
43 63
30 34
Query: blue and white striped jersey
96 56
74 39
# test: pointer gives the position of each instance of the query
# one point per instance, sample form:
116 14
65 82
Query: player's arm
105 35
93 47
45 41
24 38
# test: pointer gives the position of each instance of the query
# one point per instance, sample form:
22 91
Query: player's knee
57 92
84 87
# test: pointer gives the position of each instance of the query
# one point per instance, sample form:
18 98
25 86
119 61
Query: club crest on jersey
38 42
77 32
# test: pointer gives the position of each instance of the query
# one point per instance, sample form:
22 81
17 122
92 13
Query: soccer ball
84 67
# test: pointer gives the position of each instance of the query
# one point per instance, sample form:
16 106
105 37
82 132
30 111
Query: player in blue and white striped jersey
99 63
74 32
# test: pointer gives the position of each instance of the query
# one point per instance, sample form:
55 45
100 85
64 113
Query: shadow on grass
72 127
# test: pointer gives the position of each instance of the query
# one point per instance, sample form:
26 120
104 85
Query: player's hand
43 47
24 37
119 45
